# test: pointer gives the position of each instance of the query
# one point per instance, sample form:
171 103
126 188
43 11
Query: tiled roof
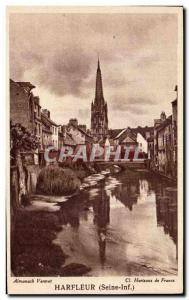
81 130
68 140
44 118
26 85
143 130
114 132
164 124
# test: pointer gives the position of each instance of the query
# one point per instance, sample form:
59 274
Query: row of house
165 142
158 142
25 109
140 137
74 134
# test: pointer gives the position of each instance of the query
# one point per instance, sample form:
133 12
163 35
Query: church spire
99 110
99 98
98 68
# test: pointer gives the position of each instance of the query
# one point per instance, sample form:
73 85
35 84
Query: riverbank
36 225
33 252
162 175
151 167
79 234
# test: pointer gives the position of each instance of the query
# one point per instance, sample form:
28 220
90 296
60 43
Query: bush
80 168
54 180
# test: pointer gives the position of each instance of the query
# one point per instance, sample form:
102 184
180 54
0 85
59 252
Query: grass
54 180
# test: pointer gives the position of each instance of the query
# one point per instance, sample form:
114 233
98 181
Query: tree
21 139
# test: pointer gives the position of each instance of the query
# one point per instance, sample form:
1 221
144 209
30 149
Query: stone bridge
133 164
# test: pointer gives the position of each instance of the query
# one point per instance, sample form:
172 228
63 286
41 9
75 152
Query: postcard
95 150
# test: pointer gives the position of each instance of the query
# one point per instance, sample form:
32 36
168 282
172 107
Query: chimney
73 122
46 112
163 116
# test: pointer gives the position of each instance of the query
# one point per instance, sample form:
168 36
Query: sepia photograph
95 126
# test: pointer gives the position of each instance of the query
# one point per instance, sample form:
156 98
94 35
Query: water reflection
121 216
166 212
101 208
70 213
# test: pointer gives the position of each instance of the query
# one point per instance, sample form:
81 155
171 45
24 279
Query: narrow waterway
121 224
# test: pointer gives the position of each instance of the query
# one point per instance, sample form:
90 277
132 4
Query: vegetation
22 139
80 168
54 180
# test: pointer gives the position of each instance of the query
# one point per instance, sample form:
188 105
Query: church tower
99 110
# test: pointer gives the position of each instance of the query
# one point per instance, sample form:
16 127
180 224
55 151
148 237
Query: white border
3 105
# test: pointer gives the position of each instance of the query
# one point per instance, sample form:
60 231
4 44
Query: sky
58 54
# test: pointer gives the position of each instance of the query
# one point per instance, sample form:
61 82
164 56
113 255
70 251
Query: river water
121 224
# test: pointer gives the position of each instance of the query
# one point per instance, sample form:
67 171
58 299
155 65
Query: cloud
82 113
58 54
132 103
64 75
137 110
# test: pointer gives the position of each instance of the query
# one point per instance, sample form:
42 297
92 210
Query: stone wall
31 173
14 188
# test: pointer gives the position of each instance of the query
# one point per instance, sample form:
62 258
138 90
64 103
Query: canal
121 224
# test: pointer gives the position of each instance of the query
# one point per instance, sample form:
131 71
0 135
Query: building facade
76 131
25 107
99 110
157 123
165 147
49 130
165 142
37 119
139 137
61 136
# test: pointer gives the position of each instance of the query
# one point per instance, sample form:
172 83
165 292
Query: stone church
99 110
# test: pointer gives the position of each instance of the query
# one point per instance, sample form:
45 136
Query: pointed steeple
99 98
98 68
99 110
